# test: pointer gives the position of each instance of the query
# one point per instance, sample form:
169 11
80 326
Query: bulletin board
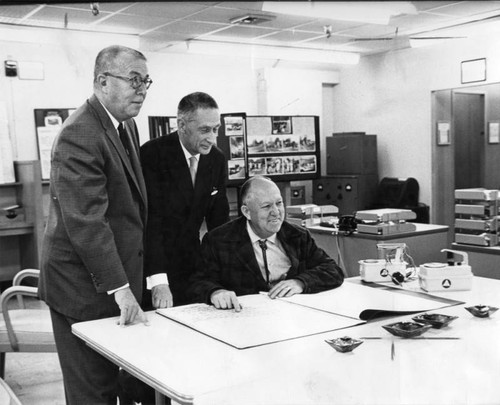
284 148
48 122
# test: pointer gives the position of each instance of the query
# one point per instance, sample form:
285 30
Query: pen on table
393 351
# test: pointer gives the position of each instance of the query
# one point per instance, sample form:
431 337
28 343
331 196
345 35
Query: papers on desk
366 303
264 320
261 321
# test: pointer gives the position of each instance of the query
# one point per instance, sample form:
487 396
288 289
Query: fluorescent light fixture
89 39
375 12
271 52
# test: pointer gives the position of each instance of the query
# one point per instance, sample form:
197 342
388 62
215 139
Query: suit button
141 253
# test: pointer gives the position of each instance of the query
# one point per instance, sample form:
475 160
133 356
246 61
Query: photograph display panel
48 122
281 147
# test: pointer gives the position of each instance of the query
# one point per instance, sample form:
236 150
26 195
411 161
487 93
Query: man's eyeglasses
135 81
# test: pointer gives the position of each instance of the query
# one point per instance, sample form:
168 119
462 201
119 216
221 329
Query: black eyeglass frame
135 81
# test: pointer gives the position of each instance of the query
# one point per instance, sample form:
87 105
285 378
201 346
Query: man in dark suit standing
186 177
260 251
92 255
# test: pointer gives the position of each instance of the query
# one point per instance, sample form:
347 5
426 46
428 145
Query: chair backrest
20 277
397 193
7 396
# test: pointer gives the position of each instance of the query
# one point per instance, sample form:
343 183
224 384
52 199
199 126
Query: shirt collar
187 154
113 119
254 237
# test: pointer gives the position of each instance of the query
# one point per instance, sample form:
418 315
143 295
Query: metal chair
7 396
24 329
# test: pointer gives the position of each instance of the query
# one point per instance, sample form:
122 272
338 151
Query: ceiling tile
170 10
317 25
467 8
131 24
424 22
238 31
290 36
368 31
192 29
430 5
16 11
110 7
58 15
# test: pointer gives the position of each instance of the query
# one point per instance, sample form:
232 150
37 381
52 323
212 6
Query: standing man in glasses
92 254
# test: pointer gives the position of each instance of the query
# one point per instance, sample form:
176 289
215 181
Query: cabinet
351 153
352 173
21 238
348 193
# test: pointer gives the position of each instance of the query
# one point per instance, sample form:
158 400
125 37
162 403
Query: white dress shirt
278 262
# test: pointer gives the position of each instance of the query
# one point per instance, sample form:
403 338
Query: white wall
390 95
238 85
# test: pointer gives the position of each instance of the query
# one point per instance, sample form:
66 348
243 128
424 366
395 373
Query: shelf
16 228
21 237
15 184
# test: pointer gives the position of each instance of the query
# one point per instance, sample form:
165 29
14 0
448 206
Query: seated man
260 252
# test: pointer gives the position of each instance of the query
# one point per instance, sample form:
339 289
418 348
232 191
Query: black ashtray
481 311
406 329
344 344
435 320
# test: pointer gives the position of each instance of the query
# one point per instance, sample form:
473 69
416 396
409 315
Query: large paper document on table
365 302
261 321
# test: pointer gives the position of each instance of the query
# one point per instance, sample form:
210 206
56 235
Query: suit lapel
244 251
133 164
286 238
179 169
203 175
112 135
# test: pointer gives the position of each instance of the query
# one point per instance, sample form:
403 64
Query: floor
35 378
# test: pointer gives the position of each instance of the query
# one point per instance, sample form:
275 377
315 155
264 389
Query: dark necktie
263 246
122 132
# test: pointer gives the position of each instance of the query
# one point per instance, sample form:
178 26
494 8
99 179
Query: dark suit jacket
177 210
229 262
93 240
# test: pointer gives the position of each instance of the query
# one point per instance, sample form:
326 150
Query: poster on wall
48 122
281 147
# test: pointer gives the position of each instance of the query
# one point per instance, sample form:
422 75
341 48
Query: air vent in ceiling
252 19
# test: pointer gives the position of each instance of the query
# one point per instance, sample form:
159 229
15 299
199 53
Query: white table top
193 368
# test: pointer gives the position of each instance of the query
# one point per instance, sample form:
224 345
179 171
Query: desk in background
195 369
424 245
